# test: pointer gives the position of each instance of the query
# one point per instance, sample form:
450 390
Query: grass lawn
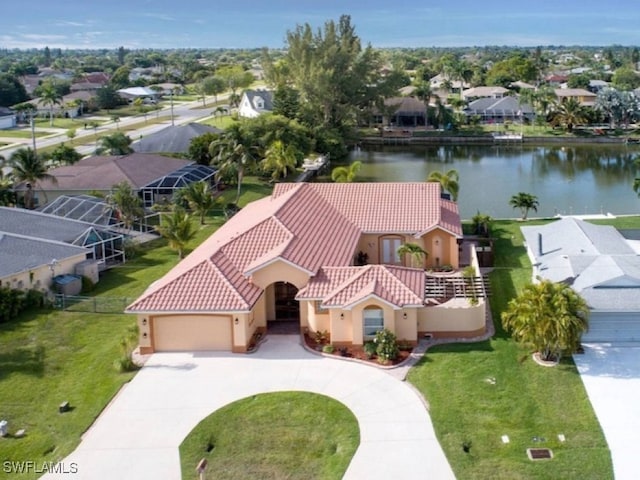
526 402
59 122
50 356
220 122
21 134
292 435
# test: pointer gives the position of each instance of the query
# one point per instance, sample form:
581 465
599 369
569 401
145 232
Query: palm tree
28 168
50 96
178 229
525 202
279 160
423 92
569 113
346 174
481 224
233 150
448 182
115 144
549 316
416 252
126 203
200 198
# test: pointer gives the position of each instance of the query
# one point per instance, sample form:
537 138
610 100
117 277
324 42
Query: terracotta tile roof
314 227
347 286
412 208
299 227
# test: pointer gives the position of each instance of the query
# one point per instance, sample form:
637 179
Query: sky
263 23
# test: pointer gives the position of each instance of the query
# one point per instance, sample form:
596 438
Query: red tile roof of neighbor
312 227
347 286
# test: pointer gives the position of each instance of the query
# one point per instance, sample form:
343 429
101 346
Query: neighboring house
173 139
255 102
440 81
101 173
31 263
7 118
167 89
599 264
519 85
401 112
481 92
101 244
585 97
499 110
294 255
132 93
596 85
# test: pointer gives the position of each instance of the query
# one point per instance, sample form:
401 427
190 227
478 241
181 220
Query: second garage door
174 333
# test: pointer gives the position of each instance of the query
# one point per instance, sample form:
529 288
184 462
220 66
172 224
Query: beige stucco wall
457 315
441 246
312 320
279 271
406 328
39 278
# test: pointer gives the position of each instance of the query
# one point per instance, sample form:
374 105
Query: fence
77 303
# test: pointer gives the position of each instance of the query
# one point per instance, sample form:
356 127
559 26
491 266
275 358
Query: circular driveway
138 434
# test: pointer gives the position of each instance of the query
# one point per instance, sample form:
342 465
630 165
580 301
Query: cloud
37 37
69 23
160 16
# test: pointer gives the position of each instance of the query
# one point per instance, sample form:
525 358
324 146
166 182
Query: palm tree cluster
30 169
548 316
525 202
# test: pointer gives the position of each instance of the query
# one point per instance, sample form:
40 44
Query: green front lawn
479 392
22 133
292 435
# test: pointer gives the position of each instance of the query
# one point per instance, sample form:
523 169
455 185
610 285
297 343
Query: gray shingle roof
173 139
39 225
507 104
595 260
20 253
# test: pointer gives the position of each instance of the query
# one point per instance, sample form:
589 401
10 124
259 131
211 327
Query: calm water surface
584 179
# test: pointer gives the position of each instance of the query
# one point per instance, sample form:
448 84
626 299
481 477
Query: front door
287 307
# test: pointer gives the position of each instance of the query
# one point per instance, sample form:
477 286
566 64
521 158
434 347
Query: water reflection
574 179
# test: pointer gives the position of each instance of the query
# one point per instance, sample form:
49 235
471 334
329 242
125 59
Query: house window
390 247
373 321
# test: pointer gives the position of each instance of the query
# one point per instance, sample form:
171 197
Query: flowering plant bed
357 352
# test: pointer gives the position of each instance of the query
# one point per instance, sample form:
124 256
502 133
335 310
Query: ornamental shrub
386 346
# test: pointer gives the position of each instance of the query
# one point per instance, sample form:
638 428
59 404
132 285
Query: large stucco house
295 255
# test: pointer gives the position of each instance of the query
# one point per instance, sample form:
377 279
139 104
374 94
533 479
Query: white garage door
613 327
190 333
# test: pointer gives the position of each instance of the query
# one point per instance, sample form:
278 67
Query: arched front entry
285 315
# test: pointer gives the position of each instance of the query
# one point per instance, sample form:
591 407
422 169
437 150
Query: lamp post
171 91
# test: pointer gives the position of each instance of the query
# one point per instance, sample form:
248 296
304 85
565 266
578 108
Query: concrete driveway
611 376
138 435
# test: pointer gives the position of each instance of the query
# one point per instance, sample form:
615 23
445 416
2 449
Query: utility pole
172 124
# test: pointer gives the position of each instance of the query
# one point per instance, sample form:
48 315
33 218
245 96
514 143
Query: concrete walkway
611 376
138 435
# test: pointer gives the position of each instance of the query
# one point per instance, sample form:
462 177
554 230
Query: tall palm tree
549 316
525 202
448 182
115 144
416 252
199 197
49 96
346 174
27 167
178 229
233 150
424 93
126 203
279 160
568 114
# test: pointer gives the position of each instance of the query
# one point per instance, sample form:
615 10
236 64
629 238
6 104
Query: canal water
568 180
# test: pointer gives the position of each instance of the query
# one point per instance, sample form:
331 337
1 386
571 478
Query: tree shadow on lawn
26 360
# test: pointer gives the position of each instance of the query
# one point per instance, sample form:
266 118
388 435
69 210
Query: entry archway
286 309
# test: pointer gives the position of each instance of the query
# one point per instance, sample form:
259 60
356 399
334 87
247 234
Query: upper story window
389 250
